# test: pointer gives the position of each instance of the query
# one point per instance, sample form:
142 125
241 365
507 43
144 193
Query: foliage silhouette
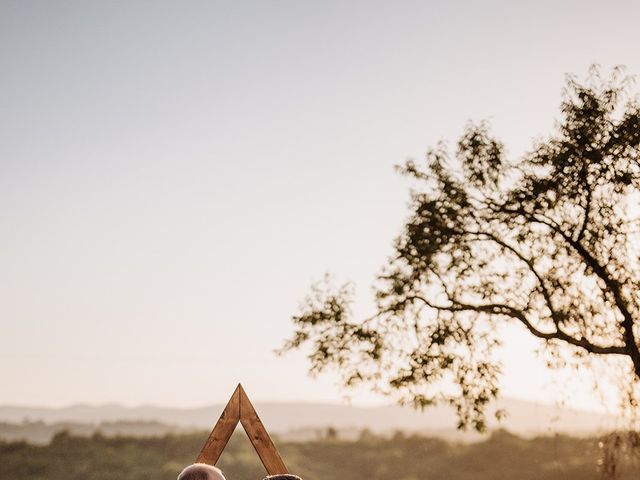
548 241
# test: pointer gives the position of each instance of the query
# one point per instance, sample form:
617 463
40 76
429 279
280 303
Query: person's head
201 471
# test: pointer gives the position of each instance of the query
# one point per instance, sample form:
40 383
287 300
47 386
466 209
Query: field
501 457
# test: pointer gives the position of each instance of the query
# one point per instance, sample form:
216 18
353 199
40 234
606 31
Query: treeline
501 457
41 433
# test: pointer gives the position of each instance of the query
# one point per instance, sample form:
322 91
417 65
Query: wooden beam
259 437
223 430
240 409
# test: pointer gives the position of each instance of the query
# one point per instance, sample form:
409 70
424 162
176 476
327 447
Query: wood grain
222 431
259 437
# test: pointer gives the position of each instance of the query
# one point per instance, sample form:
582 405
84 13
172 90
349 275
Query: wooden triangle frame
240 409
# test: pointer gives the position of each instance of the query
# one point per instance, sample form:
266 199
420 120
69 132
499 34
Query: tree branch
529 263
631 345
585 220
512 312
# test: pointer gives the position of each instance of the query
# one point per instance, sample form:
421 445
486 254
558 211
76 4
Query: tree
549 241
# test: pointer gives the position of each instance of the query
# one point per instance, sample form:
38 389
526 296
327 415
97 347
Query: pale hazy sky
174 175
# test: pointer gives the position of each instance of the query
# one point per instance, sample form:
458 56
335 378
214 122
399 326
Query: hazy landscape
294 421
318 441
339 204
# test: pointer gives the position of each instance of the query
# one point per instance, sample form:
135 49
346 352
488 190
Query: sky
175 175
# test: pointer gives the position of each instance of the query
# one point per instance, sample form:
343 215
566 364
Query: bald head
201 471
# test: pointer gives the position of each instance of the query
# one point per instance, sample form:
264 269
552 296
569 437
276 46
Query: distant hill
524 418
41 433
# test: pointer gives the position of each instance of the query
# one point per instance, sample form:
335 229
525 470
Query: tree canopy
549 240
